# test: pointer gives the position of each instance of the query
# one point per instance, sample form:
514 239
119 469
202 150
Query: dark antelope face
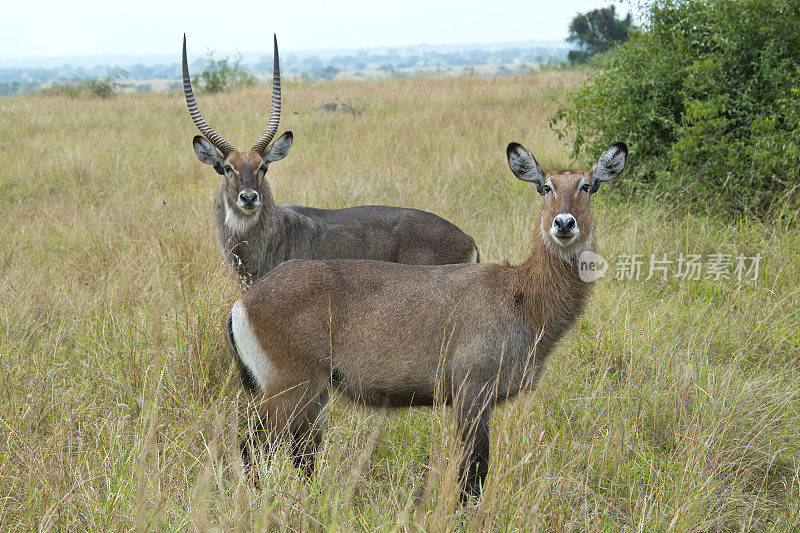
244 172
244 183
567 221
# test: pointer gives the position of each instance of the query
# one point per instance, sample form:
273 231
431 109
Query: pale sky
47 28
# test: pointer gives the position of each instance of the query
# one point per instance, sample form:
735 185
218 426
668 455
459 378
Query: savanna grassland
672 405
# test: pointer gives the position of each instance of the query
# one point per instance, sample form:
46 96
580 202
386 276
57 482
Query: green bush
706 97
222 74
104 87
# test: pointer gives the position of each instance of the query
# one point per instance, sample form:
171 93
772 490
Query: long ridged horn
275 111
208 132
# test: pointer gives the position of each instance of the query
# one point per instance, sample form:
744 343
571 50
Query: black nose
564 224
248 199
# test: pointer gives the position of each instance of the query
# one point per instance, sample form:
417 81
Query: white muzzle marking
564 239
236 222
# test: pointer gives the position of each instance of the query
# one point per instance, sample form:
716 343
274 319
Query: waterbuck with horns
255 235
403 335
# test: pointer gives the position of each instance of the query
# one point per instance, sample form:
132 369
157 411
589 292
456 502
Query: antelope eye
263 169
585 187
546 189
228 168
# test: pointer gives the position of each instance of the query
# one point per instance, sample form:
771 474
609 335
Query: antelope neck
549 286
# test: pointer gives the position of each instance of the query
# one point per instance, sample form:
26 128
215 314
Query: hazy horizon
90 60
90 28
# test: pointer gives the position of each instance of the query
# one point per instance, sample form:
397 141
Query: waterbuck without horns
400 335
255 235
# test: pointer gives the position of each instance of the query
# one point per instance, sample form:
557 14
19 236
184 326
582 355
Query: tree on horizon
596 32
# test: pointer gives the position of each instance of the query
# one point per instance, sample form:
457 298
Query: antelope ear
610 165
279 149
524 166
207 154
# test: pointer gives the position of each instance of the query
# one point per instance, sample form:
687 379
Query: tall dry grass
673 405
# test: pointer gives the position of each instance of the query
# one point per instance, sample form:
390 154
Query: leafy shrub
706 97
222 74
104 87
327 73
101 88
62 88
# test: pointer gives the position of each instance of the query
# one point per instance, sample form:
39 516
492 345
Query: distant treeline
395 59
307 66
25 80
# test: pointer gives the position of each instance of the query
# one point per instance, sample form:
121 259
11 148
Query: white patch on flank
250 351
237 223
474 255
